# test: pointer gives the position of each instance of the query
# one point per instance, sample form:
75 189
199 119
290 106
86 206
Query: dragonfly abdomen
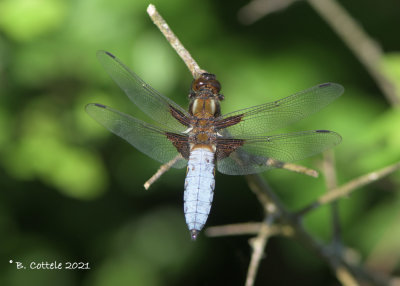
199 189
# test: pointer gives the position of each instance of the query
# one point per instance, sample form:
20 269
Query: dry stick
331 183
174 41
248 228
299 169
235 229
164 168
350 187
363 47
258 245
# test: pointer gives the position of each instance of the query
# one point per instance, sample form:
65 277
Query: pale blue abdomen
199 189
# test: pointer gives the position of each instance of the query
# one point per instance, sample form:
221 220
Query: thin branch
350 187
331 183
258 245
174 41
300 169
164 168
248 228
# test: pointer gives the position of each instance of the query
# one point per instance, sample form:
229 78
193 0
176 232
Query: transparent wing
260 153
145 137
155 105
261 119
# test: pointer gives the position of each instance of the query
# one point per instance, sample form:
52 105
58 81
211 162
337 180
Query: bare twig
174 41
248 228
350 187
258 245
300 169
330 179
164 168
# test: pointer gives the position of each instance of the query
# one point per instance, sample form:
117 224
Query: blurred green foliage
71 191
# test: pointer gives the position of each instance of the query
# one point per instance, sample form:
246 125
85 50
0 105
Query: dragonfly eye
206 80
198 84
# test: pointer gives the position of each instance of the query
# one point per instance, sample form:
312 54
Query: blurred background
72 191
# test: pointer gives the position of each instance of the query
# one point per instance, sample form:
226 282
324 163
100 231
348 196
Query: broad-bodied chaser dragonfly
235 143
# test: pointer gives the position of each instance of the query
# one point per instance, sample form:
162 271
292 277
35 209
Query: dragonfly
204 140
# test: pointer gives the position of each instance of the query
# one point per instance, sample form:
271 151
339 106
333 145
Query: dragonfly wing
257 154
152 141
261 119
155 105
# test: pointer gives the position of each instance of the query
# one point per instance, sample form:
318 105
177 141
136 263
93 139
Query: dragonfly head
206 85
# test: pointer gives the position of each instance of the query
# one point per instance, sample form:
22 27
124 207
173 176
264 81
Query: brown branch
350 187
174 41
258 245
164 168
300 169
248 228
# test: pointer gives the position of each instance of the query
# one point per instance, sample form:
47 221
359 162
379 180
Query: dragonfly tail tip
194 233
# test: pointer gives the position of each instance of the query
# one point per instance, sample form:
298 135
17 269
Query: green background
72 191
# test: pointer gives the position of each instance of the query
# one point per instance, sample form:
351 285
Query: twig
248 228
174 41
350 187
258 245
300 169
331 183
164 168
